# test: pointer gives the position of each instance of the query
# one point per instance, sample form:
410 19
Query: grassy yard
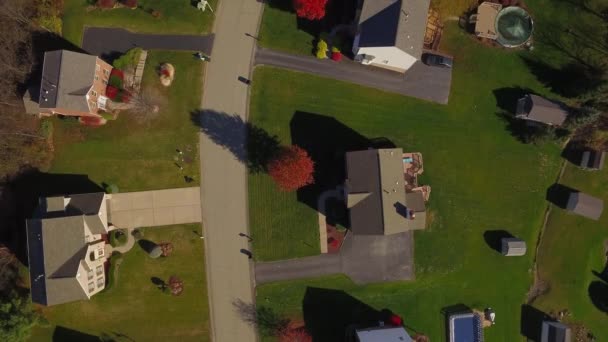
572 249
176 16
134 309
467 150
136 155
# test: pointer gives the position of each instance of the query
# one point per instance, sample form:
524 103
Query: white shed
513 247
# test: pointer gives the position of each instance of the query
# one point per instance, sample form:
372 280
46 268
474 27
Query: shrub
130 3
46 128
106 3
107 116
128 60
156 14
310 9
118 237
336 56
115 82
111 92
137 234
292 169
334 49
321 49
110 188
176 285
167 248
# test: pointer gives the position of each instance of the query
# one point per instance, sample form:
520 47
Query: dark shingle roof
539 109
364 178
586 205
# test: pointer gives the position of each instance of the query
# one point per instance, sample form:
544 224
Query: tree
264 318
295 335
292 169
167 248
310 9
176 285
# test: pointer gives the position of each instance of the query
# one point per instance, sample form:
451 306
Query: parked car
437 60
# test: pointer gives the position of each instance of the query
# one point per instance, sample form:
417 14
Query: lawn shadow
598 293
251 145
494 238
573 152
559 194
20 196
146 245
330 314
326 140
63 334
532 321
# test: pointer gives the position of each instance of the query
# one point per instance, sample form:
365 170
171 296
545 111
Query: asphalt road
224 175
420 81
110 43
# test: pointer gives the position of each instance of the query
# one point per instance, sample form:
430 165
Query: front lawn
573 248
134 308
177 16
134 154
483 180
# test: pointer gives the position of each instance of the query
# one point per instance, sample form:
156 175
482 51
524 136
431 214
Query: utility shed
540 110
555 332
585 205
513 247
593 160
383 334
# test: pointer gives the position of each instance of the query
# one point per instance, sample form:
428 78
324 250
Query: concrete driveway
110 43
364 258
420 81
155 208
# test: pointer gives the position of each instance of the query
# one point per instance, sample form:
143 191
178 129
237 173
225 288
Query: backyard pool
465 327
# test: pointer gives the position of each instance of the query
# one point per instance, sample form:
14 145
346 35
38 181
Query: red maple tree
310 9
295 335
292 169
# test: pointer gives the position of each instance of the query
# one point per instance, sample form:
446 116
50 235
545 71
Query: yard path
110 43
420 81
223 177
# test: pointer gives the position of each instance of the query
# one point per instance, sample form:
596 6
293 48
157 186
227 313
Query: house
585 205
66 250
391 33
375 194
72 84
537 109
382 334
593 160
513 247
555 332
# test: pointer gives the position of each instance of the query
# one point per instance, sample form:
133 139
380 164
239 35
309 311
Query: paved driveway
420 81
365 259
155 208
111 42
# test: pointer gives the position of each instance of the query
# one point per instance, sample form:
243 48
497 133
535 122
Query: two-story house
72 84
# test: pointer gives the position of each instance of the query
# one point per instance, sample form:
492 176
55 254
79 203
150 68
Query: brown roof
585 205
536 108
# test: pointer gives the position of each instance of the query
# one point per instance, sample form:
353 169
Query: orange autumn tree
310 9
292 169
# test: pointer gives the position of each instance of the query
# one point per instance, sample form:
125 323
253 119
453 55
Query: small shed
585 205
513 247
593 160
555 332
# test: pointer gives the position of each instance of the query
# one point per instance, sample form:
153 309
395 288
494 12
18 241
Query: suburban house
379 199
555 332
585 205
537 110
66 249
72 84
513 246
382 334
593 160
390 33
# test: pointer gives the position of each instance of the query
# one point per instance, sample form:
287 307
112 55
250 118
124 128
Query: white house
391 33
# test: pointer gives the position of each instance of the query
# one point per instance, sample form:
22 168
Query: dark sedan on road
437 60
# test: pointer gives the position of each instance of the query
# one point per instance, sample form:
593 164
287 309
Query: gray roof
555 332
400 23
585 205
536 108
383 334
55 248
67 77
513 246
376 195
593 160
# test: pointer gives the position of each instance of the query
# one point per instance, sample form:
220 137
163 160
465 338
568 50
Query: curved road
223 177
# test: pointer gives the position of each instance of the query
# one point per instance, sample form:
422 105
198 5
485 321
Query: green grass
177 16
133 306
279 30
482 177
572 248
137 155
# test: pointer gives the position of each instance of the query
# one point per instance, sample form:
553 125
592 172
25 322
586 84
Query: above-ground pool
514 26
465 327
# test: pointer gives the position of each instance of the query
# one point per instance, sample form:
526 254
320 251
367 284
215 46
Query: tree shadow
601 13
559 194
251 145
330 314
63 334
20 197
532 321
326 140
598 293
494 238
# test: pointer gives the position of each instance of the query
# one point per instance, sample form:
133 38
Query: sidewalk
223 178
